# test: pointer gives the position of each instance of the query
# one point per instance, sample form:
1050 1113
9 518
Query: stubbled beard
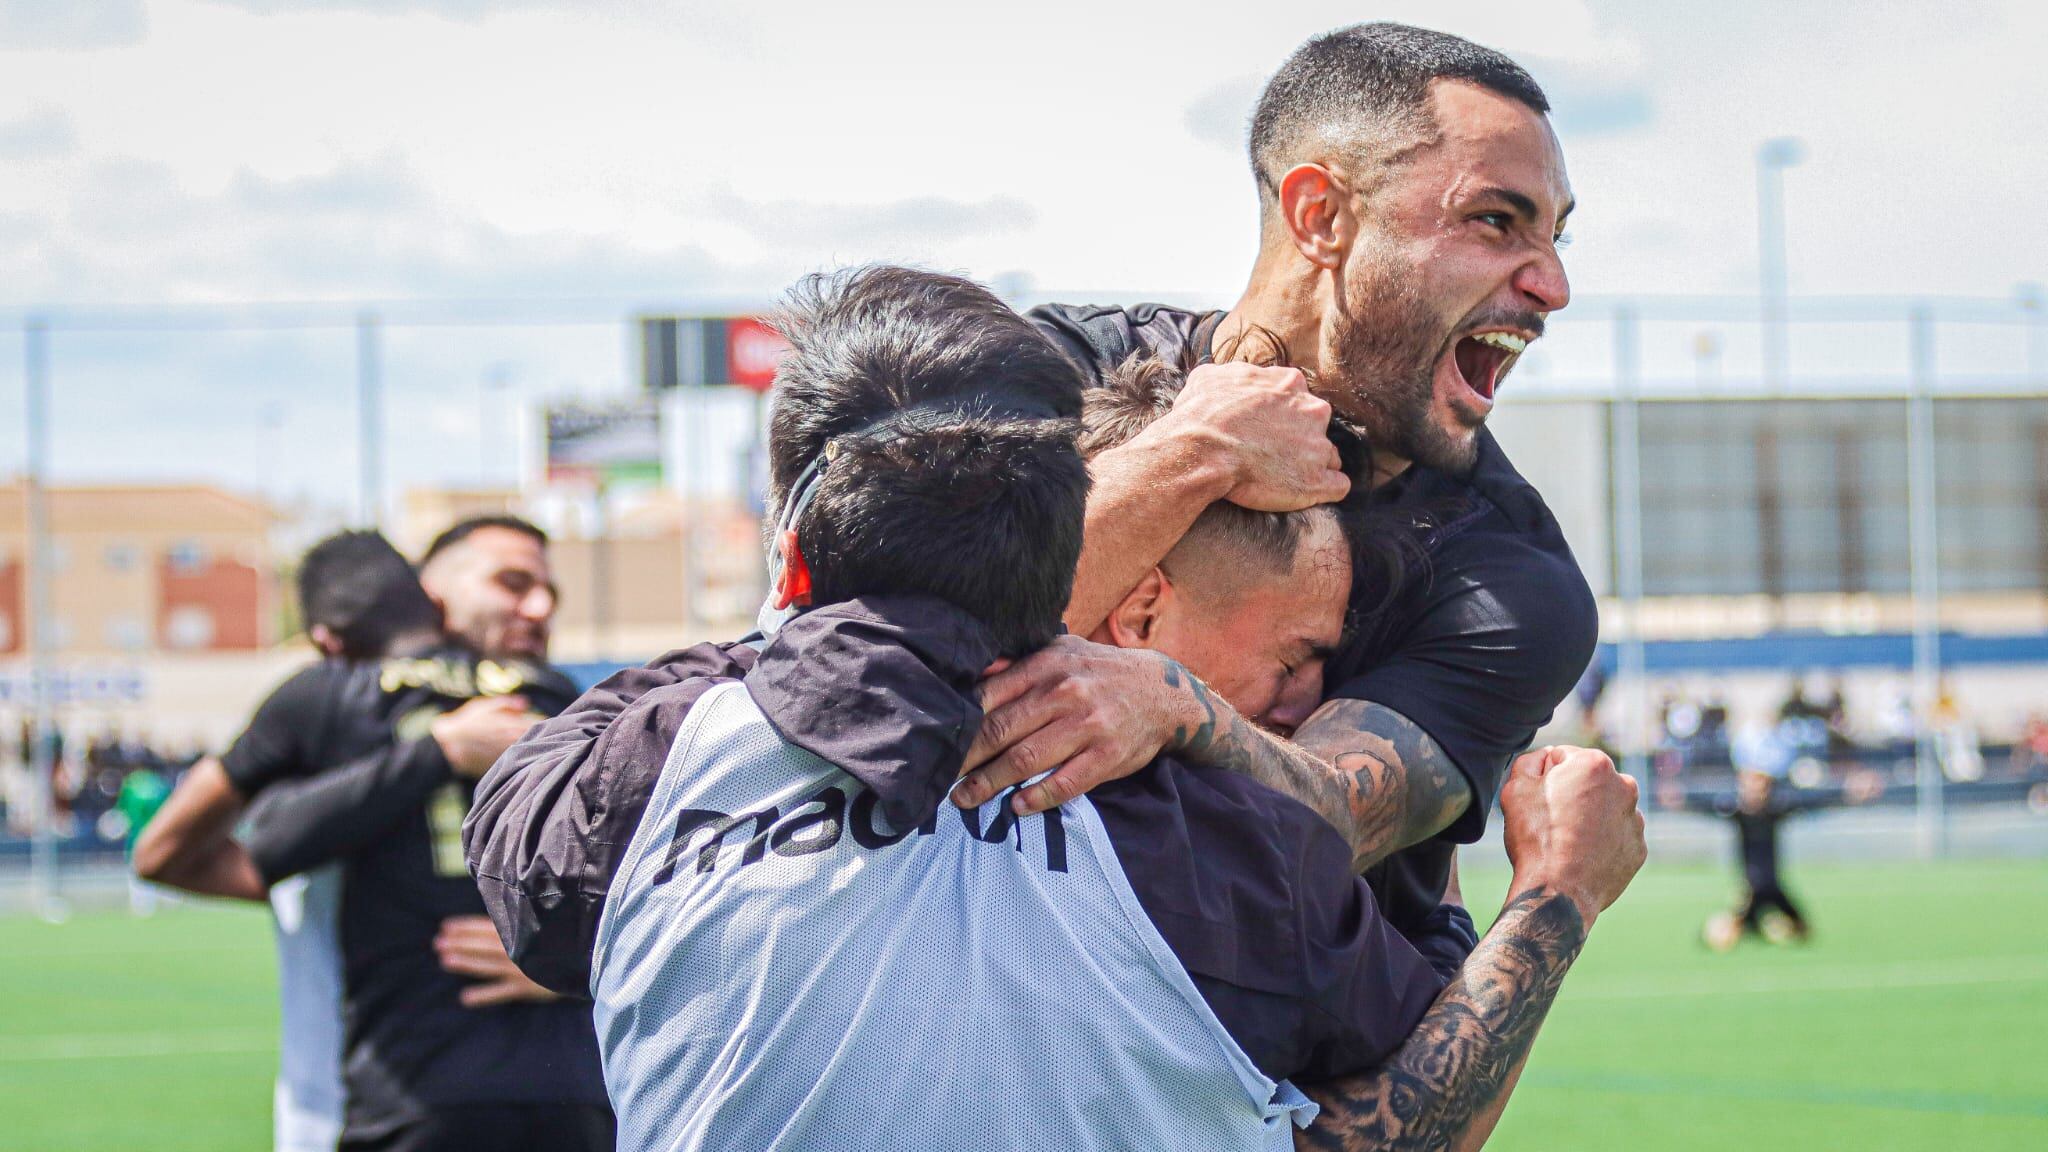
1384 350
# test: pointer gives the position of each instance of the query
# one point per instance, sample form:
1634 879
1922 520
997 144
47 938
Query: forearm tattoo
1227 740
1397 784
1371 772
1454 1066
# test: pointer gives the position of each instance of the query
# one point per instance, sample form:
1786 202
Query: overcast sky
639 152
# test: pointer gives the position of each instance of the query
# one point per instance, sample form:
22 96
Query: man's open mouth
1484 359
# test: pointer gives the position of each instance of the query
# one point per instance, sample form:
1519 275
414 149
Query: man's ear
324 639
793 585
1317 211
1134 623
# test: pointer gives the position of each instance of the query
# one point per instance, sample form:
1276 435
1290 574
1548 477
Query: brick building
145 568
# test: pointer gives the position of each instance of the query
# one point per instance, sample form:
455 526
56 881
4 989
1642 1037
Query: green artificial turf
123 1035
1917 1019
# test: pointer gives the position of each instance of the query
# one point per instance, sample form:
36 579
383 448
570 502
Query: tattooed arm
1444 1088
1575 838
1365 768
1098 712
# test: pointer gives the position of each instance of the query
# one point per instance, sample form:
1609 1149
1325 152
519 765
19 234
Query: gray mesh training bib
778 969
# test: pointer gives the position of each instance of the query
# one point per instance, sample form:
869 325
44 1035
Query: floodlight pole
1624 446
38 636
370 420
1922 531
1772 158
691 336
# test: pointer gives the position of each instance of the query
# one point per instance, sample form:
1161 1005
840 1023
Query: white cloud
70 25
244 149
43 133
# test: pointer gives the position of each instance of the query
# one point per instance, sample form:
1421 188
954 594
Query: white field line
132 1045
1837 978
69 952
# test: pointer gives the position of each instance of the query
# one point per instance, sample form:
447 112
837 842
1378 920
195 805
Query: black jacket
1251 889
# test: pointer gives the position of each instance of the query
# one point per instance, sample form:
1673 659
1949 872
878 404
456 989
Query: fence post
1922 529
369 414
39 637
1625 462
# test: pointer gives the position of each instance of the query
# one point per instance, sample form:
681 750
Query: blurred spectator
1896 724
1836 707
2032 750
1955 738
86 789
142 793
1714 721
1799 706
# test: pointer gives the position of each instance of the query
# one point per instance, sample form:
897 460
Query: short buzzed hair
462 530
1142 390
1365 85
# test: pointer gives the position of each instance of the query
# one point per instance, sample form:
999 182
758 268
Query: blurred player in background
361 771
354 607
1758 808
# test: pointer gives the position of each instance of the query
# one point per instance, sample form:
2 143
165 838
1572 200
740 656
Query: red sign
752 350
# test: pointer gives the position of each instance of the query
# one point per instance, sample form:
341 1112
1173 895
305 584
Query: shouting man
1412 199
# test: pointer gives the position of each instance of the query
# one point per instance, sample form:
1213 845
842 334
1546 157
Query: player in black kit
368 765
1757 809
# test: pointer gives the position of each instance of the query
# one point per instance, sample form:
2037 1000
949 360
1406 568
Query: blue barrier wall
1778 651
1797 651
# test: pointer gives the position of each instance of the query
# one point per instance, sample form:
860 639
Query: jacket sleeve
554 816
301 824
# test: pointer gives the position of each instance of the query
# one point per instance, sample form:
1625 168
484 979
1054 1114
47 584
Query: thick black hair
1369 84
982 511
871 340
952 469
363 590
462 530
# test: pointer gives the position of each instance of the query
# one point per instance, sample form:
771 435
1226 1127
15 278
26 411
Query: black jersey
1756 829
344 769
1477 646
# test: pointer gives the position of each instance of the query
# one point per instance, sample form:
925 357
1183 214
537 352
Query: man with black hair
740 852
358 769
358 600
1412 203
489 575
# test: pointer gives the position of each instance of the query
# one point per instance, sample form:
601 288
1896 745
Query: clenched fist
1272 430
1572 825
